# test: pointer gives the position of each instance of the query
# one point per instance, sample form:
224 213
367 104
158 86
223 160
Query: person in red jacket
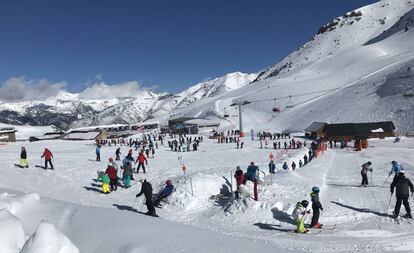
140 160
239 175
47 154
111 172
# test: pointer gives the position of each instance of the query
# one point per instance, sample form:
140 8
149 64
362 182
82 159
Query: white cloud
19 89
105 91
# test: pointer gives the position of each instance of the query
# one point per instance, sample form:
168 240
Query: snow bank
13 204
11 232
47 239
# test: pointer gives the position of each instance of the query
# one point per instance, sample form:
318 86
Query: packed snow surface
202 216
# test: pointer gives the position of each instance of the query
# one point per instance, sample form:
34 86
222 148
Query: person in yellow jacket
105 184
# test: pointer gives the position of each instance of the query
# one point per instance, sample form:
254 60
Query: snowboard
19 166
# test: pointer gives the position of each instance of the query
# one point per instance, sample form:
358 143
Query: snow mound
11 232
47 239
14 204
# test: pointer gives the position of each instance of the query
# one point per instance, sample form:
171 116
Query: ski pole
135 201
389 203
386 179
372 183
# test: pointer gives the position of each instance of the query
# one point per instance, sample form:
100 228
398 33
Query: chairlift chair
275 108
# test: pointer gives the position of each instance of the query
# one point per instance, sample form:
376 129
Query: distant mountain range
359 67
68 110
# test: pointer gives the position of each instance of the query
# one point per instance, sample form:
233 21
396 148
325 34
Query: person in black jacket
402 185
146 189
316 207
23 159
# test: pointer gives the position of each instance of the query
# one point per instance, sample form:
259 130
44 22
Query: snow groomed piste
354 218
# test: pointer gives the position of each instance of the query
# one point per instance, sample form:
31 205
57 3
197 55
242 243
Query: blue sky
168 44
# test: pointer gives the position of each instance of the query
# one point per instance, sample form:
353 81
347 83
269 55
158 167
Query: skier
364 171
140 160
402 185
111 172
305 160
300 163
272 167
24 163
252 172
299 214
164 193
47 154
98 153
126 176
316 205
105 183
239 176
293 165
113 163
285 166
396 168
146 189
118 154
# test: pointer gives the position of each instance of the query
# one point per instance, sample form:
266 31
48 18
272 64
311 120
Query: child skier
285 166
165 192
364 173
316 205
293 165
24 163
98 153
396 168
272 167
127 174
113 178
105 184
140 160
299 214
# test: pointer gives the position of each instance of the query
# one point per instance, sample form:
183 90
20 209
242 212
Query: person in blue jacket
165 192
285 166
396 168
252 172
98 153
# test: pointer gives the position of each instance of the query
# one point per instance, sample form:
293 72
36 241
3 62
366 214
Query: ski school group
109 178
401 185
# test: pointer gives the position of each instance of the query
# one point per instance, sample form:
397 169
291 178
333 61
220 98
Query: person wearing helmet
146 189
364 173
396 168
403 187
299 214
164 193
316 206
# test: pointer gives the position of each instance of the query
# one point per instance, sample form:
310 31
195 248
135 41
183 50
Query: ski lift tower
240 104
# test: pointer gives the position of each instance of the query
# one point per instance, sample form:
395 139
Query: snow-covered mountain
357 68
67 110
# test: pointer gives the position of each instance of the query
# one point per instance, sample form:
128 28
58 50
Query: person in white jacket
299 214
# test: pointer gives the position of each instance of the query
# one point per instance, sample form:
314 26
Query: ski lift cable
291 96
